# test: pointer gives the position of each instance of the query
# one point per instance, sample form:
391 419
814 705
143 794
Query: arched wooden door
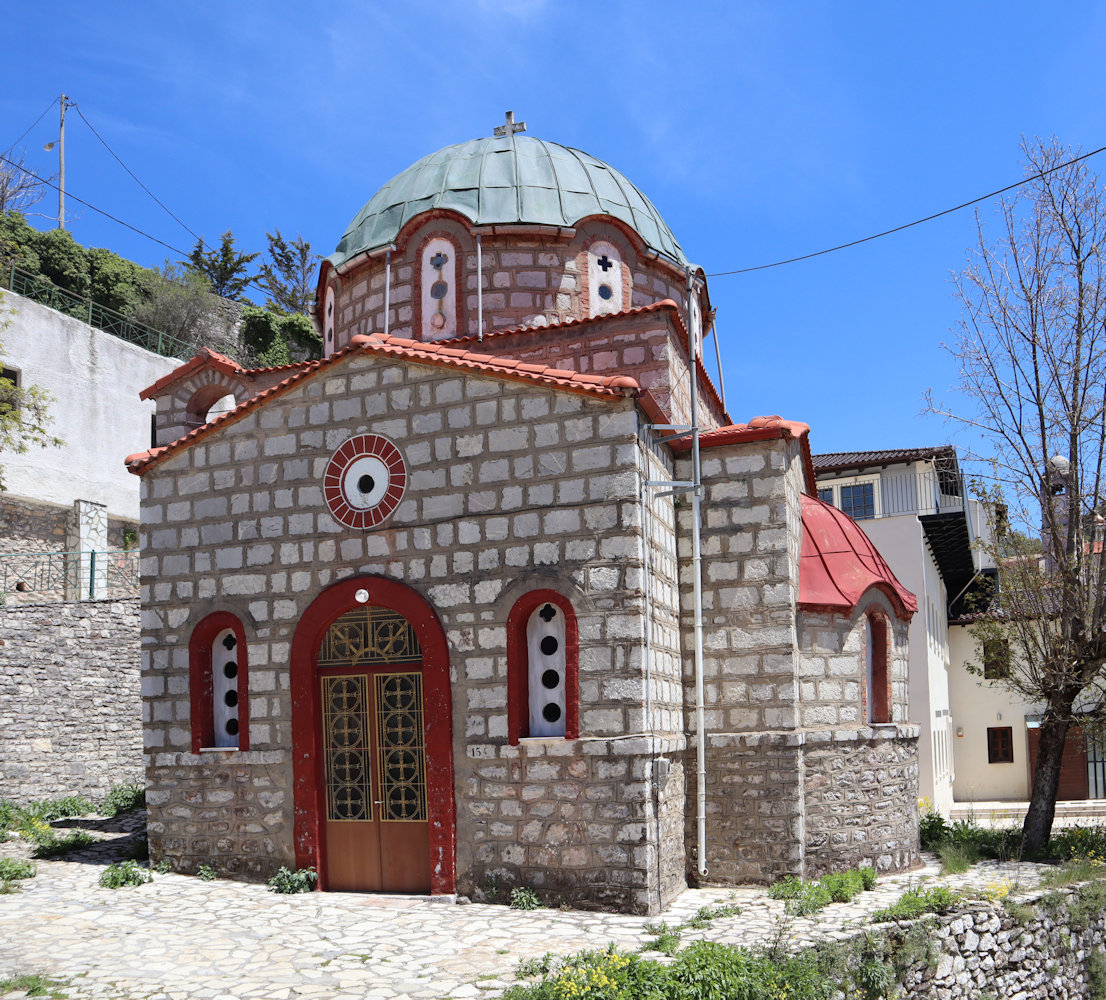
372 741
373 753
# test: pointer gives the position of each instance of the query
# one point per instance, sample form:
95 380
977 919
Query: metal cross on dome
510 126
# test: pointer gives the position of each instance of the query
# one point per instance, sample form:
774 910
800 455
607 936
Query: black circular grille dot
365 484
439 290
548 613
551 678
551 712
231 699
230 669
230 642
232 727
605 291
549 645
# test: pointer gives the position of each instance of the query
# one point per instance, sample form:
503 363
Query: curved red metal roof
839 564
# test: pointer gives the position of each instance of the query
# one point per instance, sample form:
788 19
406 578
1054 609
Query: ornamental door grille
374 754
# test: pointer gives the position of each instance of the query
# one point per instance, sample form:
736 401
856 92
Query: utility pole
61 160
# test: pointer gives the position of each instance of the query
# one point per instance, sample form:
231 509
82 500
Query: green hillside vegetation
175 299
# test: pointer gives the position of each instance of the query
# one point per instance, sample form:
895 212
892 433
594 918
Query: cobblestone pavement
180 938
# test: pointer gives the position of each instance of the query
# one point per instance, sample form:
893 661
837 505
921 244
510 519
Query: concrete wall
70 711
901 541
979 704
95 380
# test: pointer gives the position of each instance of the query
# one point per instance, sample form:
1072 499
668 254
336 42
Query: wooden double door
373 754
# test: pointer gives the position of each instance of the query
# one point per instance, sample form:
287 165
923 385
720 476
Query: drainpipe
697 584
479 291
387 287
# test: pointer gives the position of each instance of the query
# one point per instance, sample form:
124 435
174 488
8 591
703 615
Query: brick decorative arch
310 844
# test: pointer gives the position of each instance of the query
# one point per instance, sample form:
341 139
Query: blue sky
760 130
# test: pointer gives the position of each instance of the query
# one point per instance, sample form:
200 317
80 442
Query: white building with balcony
911 503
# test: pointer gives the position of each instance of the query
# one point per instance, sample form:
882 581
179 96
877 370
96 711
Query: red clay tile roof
757 429
661 306
207 358
602 386
838 461
839 564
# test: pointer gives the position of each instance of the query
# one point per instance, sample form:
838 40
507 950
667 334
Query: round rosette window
364 481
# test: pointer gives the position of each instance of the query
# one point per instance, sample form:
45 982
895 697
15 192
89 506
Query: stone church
431 614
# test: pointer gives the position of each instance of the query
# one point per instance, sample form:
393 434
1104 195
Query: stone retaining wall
984 952
70 709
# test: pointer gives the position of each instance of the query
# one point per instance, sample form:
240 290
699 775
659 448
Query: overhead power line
908 225
33 124
103 141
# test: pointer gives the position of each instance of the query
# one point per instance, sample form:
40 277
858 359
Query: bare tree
1031 350
19 188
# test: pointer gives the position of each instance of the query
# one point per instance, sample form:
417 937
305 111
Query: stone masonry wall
578 821
860 799
70 711
26 526
510 489
529 278
983 951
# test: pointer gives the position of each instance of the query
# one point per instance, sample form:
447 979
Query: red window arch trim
518 692
880 693
199 680
309 842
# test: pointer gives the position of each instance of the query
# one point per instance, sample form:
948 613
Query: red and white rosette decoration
364 481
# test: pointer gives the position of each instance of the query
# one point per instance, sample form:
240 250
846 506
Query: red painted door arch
309 793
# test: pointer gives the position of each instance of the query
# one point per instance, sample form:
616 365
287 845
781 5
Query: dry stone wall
70 710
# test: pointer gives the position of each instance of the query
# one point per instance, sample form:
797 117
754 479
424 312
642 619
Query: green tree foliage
1031 360
178 301
24 414
114 281
289 275
225 268
274 339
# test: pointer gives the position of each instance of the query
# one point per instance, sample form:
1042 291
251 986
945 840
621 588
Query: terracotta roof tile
757 429
839 564
610 387
840 460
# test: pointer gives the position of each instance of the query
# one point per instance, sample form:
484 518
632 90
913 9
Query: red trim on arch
199 680
518 693
310 844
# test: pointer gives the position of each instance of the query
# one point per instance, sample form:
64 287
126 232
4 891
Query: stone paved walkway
180 938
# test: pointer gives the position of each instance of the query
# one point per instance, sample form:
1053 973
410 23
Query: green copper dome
505 180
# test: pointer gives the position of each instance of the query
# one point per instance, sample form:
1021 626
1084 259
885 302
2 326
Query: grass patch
12 869
34 985
802 898
123 798
663 938
288 883
124 873
55 846
916 902
956 857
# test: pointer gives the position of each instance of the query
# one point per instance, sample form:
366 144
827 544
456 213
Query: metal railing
39 577
890 496
44 291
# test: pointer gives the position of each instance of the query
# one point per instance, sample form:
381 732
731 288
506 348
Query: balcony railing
40 577
44 291
890 496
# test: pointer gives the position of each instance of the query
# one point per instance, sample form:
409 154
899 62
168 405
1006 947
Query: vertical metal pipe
387 288
479 290
697 587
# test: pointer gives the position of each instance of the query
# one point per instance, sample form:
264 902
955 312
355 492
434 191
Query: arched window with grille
542 657
218 684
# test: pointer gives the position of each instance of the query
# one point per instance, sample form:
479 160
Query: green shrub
12 869
124 873
524 898
813 897
706 915
1086 842
867 877
957 857
932 829
787 887
206 873
123 798
916 902
843 887
664 938
56 846
289 882
875 978
706 970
